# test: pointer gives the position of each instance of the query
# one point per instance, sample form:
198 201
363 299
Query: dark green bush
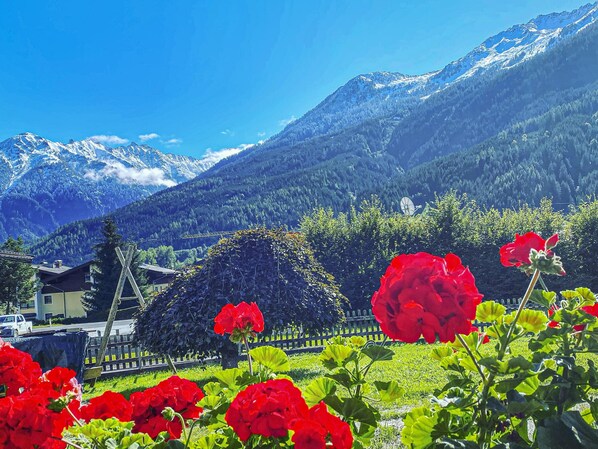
273 268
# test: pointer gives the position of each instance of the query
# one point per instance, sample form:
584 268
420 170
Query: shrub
273 268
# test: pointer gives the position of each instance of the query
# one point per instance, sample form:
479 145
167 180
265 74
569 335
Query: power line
207 234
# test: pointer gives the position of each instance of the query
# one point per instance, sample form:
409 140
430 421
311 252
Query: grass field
412 367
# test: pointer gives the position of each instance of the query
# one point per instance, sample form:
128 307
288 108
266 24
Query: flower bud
169 414
544 262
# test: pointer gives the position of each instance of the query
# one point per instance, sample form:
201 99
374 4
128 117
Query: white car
14 325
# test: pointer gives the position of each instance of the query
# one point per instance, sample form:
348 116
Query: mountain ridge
376 94
44 184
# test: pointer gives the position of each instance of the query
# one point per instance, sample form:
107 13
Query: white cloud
109 140
131 175
227 132
286 121
150 136
261 134
212 156
174 141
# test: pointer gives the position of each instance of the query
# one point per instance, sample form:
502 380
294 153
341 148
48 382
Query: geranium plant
514 380
501 395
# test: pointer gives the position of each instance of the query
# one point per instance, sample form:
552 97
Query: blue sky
213 75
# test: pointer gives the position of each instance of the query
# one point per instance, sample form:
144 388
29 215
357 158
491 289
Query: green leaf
543 298
569 294
418 429
212 388
210 402
448 443
532 320
567 431
357 341
335 356
342 378
272 358
529 385
440 352
514 365
378 353
354 410
318 389
489 311
389 391
468 364
228 377
211 441
586 294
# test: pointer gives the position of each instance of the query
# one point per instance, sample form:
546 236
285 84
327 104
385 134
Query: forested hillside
521 135
472 112
554 155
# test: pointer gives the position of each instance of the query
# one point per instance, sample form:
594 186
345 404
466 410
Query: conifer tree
107 269
17 279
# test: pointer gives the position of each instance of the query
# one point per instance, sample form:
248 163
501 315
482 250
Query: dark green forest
554 155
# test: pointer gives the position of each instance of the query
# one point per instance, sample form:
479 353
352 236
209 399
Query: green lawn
412 367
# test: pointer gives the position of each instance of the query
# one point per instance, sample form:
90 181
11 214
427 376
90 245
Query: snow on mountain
131 164
381 93
45 184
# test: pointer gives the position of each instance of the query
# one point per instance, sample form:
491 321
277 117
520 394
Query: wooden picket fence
124 356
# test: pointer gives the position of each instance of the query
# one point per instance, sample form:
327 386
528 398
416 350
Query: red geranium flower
63 381
29 415
320 428
181 395
26 420
268 409
421 294
243 318
516 253
108 405
18 371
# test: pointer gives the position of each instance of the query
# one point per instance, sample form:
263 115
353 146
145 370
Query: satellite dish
407 206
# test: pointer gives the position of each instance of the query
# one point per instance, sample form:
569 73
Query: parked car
14 325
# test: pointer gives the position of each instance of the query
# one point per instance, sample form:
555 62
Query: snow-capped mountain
44 184
131 164
382 93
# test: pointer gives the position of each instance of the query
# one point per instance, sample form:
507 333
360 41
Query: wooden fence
123 356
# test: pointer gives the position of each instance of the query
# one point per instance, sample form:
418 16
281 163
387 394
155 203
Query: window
88 278
48 299
48 316
20 319
27 304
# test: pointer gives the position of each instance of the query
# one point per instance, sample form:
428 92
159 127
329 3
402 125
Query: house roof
14 255
63 271
50 269
68 271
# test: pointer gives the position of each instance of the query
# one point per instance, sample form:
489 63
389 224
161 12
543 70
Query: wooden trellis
126 273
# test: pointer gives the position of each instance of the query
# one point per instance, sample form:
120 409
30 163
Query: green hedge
357 247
